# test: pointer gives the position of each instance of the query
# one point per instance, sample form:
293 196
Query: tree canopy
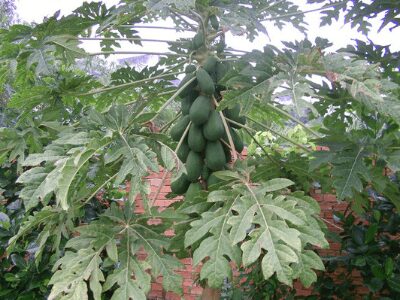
76 144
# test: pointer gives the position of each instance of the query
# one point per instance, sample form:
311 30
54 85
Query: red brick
156 287
172 296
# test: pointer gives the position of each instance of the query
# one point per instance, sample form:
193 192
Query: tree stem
137 52
183 137
166 126
172 98
228 133
126 39
128 84
153 27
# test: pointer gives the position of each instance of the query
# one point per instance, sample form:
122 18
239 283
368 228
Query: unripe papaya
179 128
210 64
221 69
180 185
237 141
240 120
196 140
205 82
190 69
228 153
194 166
234 115
186 103
205 173
214 22
189 87
193 189
215 156
214 128
198 40
183 152
200 110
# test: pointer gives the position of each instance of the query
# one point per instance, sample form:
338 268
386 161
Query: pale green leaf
277 184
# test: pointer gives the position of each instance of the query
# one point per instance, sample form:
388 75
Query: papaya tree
82 145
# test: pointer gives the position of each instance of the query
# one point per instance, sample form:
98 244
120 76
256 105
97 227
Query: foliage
76 147
371 248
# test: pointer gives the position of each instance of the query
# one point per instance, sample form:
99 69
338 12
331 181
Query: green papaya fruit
240 120
193 189
190 68
214 22
198 40
205 82
210 64
200 110
179 128
189 87
194 166
196 140
221 70
214 129
180 185
237 141
228 153
215 156
234 115
183 152
205 173
186 103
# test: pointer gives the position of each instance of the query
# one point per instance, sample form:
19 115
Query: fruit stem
228 133
183 137
172 98
166 126
153 27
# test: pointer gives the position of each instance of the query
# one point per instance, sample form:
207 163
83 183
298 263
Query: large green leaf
269 227
79 269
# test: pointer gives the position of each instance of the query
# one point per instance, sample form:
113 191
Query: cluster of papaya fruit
202 130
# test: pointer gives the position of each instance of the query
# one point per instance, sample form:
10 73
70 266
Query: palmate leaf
255 223
117 234
348 168
64 162
161 5
365 83
216 247
53 223
43 60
